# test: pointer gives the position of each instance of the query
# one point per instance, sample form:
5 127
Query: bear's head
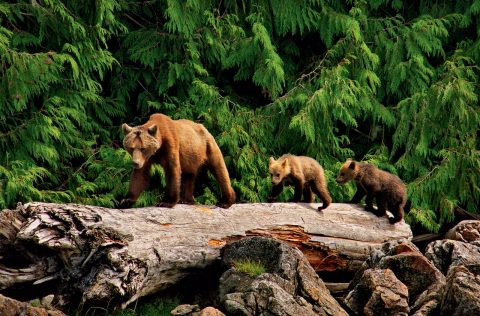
141 143
348 171
279 169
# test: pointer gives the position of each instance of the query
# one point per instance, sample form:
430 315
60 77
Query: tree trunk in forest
110 256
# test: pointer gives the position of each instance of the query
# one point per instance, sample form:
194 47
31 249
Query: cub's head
141 143
348 171
279 169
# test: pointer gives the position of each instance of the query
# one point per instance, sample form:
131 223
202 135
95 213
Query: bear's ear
349 159
285 163
152 130
352 164
126 129
271 161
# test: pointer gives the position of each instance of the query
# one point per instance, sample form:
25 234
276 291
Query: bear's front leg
359 194
138 182
369 203
276 190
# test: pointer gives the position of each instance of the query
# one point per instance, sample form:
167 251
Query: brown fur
304 173
181 147
388 189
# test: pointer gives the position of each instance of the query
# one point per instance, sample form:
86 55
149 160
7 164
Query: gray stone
378 292
462 293
413 269
184 310
290 286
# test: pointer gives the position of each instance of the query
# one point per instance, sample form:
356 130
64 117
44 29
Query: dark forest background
394 83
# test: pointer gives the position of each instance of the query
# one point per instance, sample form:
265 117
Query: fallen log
110 256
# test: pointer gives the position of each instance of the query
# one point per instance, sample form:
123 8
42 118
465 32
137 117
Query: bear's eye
278 174
342 174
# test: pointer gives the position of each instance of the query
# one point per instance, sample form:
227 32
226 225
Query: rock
378 292
460 261
194 310
445 254
461 293
10 307
184 309
467 231
413 269
46 301
210 311
289 286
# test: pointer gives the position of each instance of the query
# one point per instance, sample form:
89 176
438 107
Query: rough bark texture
116 256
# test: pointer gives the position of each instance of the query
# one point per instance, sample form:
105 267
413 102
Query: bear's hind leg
188 186
381 206
397 211
321 191
172 173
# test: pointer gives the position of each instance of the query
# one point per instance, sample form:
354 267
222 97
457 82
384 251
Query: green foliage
247 266
390 82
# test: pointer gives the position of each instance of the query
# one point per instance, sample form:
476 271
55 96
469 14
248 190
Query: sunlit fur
388 190
304 173
181 147
140 143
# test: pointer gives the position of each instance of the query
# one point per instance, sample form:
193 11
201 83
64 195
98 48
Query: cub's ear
271 160
285 163
126 129
152 130
352 164
349 159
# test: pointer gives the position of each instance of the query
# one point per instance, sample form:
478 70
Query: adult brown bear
181 147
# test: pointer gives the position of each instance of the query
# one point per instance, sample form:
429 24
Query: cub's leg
321 191
369 203
297 197
307 194
138 182
381 206
359 194
397 211
276 190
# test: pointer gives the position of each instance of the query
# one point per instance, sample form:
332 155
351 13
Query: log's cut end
121 255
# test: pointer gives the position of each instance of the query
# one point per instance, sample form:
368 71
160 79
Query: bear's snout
136 165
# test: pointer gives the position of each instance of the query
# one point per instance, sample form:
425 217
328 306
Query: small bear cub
304 173
388 190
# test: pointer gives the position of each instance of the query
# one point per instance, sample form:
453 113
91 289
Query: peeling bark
110 256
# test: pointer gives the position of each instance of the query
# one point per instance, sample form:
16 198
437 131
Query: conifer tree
394 83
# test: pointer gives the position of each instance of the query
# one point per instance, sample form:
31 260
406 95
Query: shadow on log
112 257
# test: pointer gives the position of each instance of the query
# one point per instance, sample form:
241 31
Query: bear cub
388 190
304 173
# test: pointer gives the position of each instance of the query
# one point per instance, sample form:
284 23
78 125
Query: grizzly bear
304 173
388 190
181 147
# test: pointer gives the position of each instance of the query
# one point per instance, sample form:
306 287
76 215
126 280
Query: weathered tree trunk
111 256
